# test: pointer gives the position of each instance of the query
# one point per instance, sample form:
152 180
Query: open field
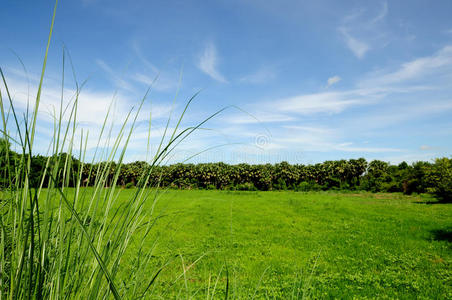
283 244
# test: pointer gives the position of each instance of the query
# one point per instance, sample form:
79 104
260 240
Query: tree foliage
353 174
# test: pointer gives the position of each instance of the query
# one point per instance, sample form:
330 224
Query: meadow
293 245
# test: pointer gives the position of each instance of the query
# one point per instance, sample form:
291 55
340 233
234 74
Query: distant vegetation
353 174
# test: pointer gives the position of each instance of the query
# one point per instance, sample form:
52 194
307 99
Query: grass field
287 245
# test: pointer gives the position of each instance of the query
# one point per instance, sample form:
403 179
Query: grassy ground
286 244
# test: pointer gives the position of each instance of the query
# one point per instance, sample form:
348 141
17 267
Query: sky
300 81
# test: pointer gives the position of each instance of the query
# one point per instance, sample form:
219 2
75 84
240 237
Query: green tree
439 179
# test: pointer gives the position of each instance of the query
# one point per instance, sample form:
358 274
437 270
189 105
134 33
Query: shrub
280 185
129 185
303 187
439 179
210 187
246 187
309 186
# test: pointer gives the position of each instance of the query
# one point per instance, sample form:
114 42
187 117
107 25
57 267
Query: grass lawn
327 244
283 244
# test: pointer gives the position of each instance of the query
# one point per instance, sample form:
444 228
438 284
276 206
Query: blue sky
314 80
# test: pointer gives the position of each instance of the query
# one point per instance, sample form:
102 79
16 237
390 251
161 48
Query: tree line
353 174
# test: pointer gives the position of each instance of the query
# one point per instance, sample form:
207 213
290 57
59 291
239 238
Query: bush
248 186
129 185
439 179
303 187
280 185
229 187
309 186
210 187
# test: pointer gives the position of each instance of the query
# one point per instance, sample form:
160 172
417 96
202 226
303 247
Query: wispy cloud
434 70
92 106
263 75
351 147
438 64
398 114
361 32
117 79
159 83
259 117
381 15
426 148
139 53
324 139
359 48
326 102
333 80
398 101
161 79
208 62
92 109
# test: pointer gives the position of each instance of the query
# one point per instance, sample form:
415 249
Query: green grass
286 244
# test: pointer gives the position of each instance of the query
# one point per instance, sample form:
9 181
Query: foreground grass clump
59 242
291 245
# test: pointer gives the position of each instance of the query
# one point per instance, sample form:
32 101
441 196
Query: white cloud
397 103
409 157
160 83
327 102
91 110
382 14
362 32
349 147
320 139
161 80
23 74
373 89
259 117
308 139
312 129
426 147
92 106
137 49
359 48
208 63
434 65
117 79
333 80
398 114
262 75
